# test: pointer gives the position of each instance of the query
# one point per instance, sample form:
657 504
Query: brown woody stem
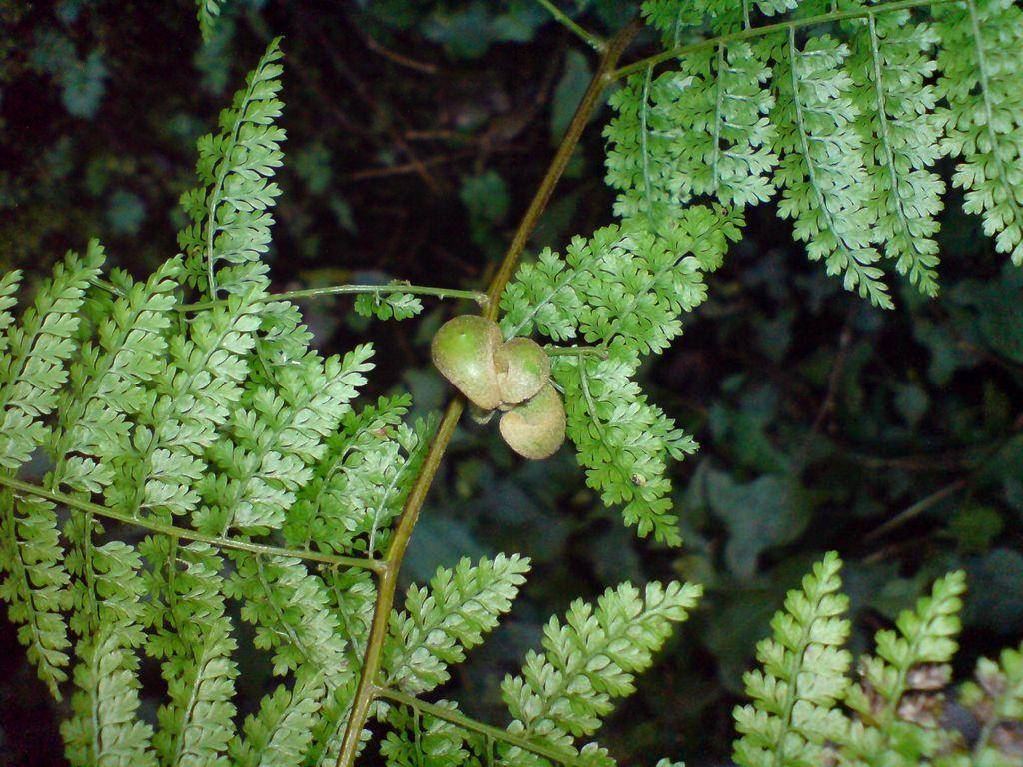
388 577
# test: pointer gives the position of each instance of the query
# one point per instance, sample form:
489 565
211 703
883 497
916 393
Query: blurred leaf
996 591
84 85
999 319
312 164
469 32
575 78
125 212
912 402
766 512
1014 494
774 336
745 429
343 214
486 198
520 23
439 543
975 527
947 356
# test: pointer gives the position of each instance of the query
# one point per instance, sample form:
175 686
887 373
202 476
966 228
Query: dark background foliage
417 131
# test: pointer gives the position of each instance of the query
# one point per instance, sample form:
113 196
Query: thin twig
413 167
596 42
915 510
828 403
367 690
365 94
397 58
88 507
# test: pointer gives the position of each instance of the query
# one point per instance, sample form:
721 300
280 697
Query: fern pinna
191 407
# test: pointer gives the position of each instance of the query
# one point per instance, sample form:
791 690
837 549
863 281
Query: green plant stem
88 507
388 577
491 732
594 41
344 290
781 26
601 79
576 351
99 282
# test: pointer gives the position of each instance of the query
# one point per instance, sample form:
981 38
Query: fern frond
670 17
625 287
440 623
189 400
719 114
423 741
208 12
891 69
330 507
275 437
821 172
377 483
284 340
996 697
32 368
591 659
35 586
639 290
280 734
793 719
982 82
193 636
330 728
230 210
196 725
106 384
641 157
725 16
31 373
290 608
104 728
354 593
92 432
9 284
623 441
924 638
388 306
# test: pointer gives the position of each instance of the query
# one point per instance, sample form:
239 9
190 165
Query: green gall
536 428
463 351
523 369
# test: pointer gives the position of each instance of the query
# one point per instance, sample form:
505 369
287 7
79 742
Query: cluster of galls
512 376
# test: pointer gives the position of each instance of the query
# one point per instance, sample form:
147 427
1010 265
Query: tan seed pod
523 369
463 351
536 428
